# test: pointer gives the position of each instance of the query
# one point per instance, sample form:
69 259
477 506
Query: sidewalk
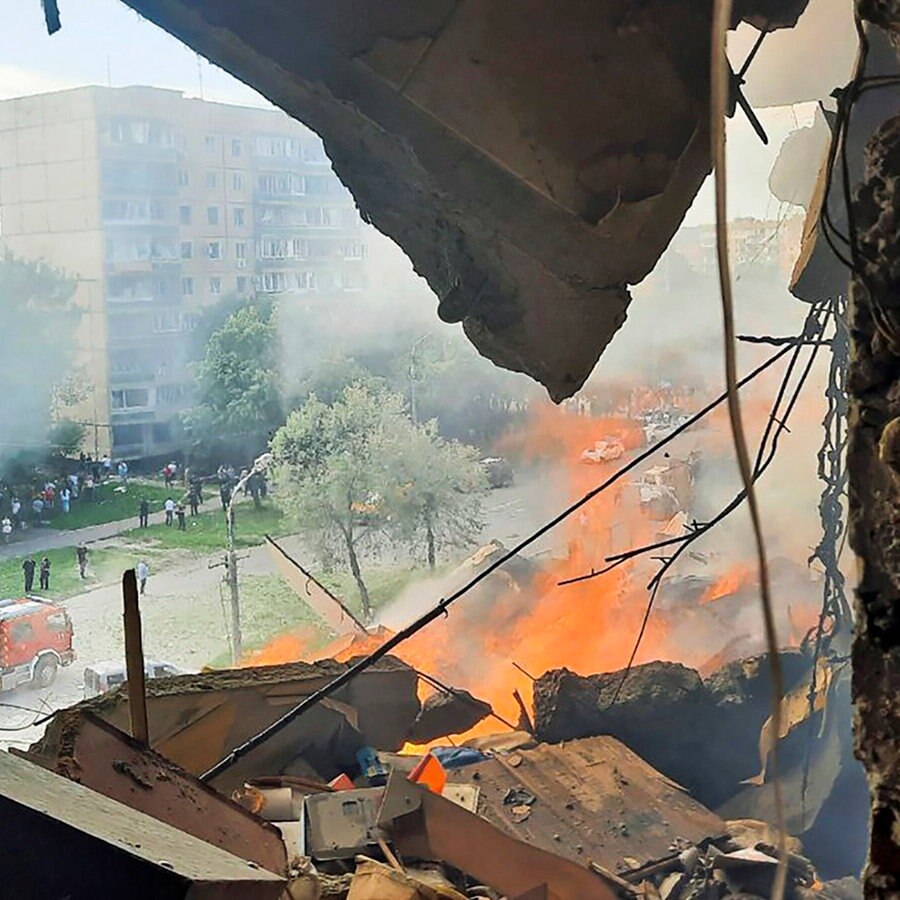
41 539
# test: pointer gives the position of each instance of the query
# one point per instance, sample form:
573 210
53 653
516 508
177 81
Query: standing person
123 471
143 571
65 498
89 488
170 510
45 573
28 568
6 527
107 467
37 507
81 552
144 513
224 495
179 511
15 509
193 500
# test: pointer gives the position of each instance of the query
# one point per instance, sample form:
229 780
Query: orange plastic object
342 783
429 773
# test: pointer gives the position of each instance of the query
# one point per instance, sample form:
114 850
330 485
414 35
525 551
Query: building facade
159 205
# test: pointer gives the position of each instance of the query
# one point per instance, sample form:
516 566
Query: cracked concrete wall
533 159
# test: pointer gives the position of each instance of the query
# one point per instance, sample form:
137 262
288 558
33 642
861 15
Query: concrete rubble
349 810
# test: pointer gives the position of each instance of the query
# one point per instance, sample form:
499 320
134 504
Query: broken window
214 250
215 285
187 286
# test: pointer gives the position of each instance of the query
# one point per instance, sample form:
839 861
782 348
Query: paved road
41 539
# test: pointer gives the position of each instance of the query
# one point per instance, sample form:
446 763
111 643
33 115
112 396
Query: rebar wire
441 608
720 81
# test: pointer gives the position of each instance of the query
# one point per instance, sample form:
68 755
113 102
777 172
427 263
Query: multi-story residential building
159 204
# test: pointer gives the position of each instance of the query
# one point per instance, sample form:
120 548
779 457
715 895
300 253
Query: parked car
499 472
35 640
104 676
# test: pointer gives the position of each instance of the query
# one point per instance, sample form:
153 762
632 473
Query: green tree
358 472
38 317
238 381
437 499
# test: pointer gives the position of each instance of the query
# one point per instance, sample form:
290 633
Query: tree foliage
39 318
238 381
358 472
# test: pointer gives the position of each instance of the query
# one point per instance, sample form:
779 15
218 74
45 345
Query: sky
105 42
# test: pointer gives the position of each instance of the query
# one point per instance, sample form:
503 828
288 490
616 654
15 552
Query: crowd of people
56 496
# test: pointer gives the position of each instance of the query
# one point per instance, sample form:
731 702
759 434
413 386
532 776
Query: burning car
498 471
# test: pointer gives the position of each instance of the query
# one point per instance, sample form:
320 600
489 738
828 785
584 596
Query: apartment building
159 204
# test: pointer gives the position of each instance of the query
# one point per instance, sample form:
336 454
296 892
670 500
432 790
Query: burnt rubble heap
331 809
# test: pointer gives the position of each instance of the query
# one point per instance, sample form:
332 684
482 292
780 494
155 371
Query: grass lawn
103 566
206 532
269 607
111 504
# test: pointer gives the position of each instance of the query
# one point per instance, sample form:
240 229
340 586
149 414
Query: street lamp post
259 466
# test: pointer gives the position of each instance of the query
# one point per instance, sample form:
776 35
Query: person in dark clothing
45 573
81 552
194 500
225 495
144 513
28 568
179 512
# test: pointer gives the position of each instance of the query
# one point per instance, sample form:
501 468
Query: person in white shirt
170 510
143 571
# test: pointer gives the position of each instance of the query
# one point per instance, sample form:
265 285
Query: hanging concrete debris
532 159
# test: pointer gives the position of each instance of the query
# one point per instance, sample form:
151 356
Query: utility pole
259 466
413 375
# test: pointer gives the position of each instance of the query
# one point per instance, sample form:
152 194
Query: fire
735 579
588 626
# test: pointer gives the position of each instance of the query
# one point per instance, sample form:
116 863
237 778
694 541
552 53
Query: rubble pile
341 804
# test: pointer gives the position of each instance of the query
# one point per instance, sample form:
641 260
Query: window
184 215
273 248
161 432
133 398
281 184
273 282
238 215
320 216
353 250
306 281
182 178
210 143
237 181
215 285
187 287
275 146
58 621
214 250
240 250
242 284
300 248
132 211
235 147
187 250
212 215
125 436
21 632
211 179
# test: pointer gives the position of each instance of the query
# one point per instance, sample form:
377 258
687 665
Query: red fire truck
35 640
